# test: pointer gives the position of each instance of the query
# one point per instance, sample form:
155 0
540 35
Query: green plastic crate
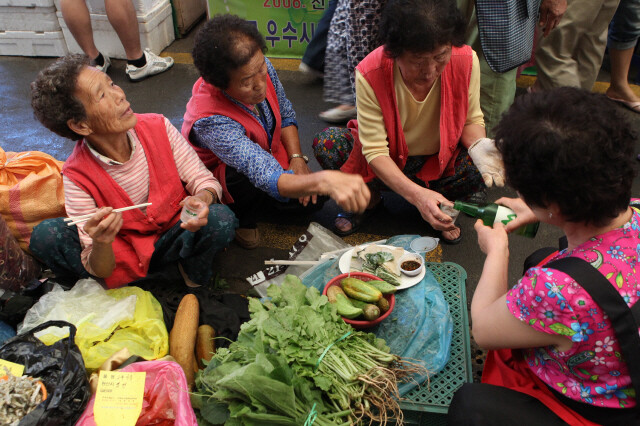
429 405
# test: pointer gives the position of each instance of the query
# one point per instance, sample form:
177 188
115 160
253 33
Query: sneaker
338 115
306 69
105 66
155 65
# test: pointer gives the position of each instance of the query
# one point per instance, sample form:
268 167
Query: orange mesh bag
30 191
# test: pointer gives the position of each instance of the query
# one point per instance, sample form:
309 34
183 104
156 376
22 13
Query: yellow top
420 120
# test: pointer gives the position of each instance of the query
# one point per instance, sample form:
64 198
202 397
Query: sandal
356 219
451 242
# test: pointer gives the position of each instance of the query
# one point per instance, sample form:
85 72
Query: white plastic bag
86 302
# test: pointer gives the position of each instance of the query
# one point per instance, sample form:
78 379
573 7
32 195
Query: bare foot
622 93
186 279
451 235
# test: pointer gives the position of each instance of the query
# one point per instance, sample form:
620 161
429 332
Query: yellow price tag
119 398
15 369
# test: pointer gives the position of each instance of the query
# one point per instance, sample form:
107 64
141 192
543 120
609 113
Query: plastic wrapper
17 268
59 367
107 321
166 399
314 242
419 327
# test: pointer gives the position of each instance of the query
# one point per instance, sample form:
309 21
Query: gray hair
52 95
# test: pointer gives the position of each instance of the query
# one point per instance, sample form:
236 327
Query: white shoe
306 69
155 65
337 115
105 66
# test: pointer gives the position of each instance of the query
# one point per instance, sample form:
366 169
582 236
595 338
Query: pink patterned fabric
551 302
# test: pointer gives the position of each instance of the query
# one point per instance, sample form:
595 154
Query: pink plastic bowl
360 324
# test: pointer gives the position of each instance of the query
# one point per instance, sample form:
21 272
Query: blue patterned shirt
226 138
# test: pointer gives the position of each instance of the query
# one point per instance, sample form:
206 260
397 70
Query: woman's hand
524 214
199 221
347 190
300 167
428 204
492 240
103 226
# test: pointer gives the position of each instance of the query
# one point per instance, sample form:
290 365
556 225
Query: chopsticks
79 219
291 262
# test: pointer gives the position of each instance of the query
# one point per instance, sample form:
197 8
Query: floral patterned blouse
550 301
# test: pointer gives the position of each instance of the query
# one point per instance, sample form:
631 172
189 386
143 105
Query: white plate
405 281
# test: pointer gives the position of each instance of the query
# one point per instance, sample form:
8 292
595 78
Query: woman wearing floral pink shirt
555 357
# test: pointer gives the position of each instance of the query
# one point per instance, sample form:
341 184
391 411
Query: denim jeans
624 29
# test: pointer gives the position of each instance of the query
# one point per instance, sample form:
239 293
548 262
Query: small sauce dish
411 264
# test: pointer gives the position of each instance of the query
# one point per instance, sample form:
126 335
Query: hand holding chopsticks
79 219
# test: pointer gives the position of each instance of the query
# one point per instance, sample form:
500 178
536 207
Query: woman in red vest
420 131
123 159
564 340
244 129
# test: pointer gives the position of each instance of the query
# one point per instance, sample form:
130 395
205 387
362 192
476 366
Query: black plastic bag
61 369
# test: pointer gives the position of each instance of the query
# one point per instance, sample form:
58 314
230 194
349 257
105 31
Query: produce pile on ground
295 363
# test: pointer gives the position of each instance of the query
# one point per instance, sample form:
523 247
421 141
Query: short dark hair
572 148
223 44
53 95
420 26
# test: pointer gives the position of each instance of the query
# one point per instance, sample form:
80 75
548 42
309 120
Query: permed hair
420 26
571 148
224 44
52 95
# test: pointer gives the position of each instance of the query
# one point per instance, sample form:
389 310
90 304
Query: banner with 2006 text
287 25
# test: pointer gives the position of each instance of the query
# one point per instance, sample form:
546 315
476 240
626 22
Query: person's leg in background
497 90
314 56
76 15
337 83
624 32
560 58
590 49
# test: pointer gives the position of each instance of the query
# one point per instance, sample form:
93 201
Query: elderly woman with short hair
244 129
123 159
420 130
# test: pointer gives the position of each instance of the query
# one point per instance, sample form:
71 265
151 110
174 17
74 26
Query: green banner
287 25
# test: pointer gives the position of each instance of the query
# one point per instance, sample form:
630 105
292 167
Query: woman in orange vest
420 130
123 159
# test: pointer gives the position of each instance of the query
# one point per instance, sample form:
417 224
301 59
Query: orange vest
377 69
207 100
134 244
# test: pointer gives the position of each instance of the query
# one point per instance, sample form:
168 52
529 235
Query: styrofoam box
19 18
27 3
31 43
97 6
156 32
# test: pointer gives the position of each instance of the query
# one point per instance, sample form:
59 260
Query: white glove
488 160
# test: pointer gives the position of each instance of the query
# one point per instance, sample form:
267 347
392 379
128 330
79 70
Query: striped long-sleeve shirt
133 177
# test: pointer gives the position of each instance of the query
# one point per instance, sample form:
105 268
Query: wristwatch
304 157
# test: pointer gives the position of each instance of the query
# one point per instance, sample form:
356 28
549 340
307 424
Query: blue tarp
420 326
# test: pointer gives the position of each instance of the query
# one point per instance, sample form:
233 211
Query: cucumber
358 303
345 308
358 289
383 286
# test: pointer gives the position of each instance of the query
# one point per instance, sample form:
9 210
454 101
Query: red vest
134 244
207 100
377 69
